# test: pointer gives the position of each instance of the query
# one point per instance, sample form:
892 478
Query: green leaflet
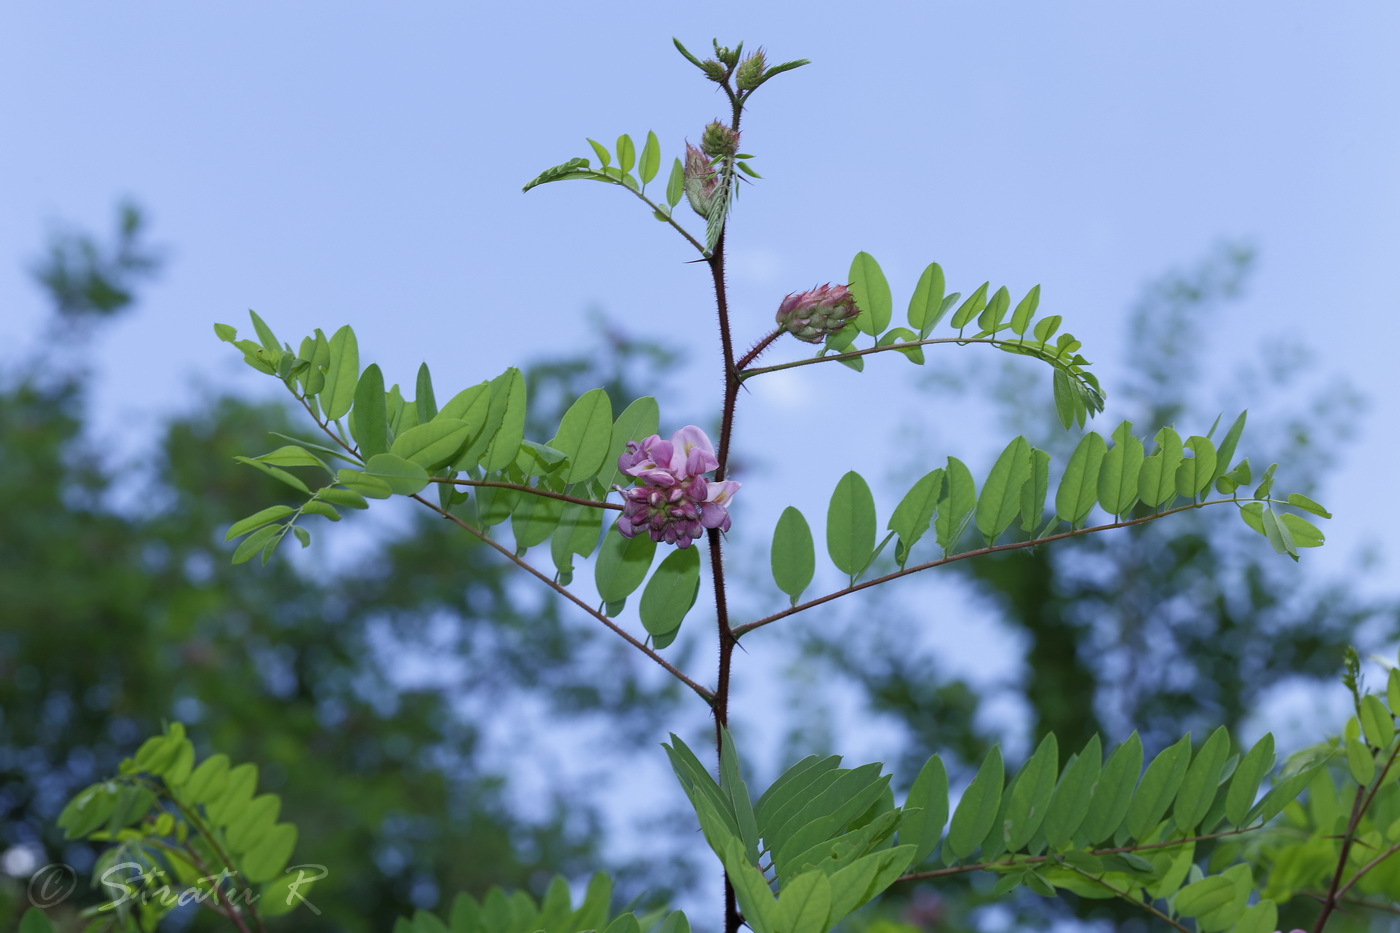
804 905
1114 792
432 445
257 520
914 514
622 565
638 421
1261 918
534 520
292 455
1204 896
1244 784
1157 480
404 477
1199 787
971 307
826 815
585 436
34 920
364 485
675 184
509 389
342 374
1118 475
369 417
750 890
651 158
833 799
926 305
977 811
850 524
1361 761
266 337
574 168
1079 487
1034 491
1158 787
926 810
425 400
1000 500
901 335
736 794
578 532
1025 310
670 593
793 555
1225 453
1029 795
872 294
276 472
626 153
1195 473
1376 721
792 787
956 505
990 320
1069 804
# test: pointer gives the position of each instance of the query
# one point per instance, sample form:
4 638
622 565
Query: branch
704 692
977 552
852 354
520 487
1129 898
1336 890
1040 859
656 208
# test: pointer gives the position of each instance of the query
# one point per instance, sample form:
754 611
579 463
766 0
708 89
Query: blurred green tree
375 690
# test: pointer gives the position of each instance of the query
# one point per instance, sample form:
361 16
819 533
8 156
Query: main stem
732 918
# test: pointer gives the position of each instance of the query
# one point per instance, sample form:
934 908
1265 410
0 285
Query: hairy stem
705 693
758 348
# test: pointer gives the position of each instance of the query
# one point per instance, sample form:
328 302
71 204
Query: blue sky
339 163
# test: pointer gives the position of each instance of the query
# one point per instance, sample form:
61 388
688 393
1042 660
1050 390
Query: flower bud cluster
702 181
672 501
719 141
814 314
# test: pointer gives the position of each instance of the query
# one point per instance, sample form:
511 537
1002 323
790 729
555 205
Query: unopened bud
701 181
713 70
813 315
719 140
727 55
750 73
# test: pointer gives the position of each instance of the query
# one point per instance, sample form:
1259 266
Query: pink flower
672 500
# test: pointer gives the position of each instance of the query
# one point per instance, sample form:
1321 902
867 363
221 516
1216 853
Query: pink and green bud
719 141
814 315
672 501
750 73
702 182
714 70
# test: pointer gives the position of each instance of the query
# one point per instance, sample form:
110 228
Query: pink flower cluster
672 501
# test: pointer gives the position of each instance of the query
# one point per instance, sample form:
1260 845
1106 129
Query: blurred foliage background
119 610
